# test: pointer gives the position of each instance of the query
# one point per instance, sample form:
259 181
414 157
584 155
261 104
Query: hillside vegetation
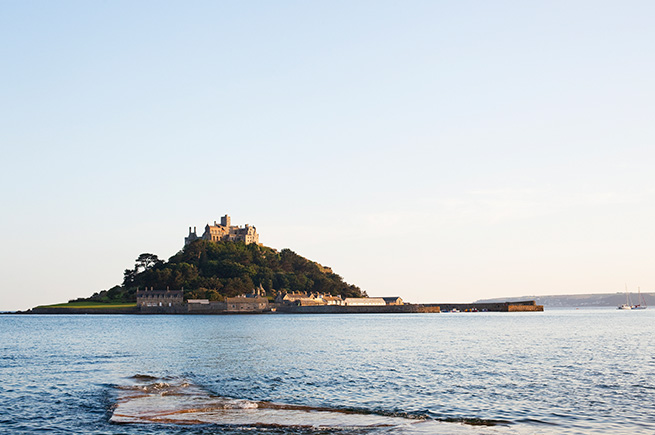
215 270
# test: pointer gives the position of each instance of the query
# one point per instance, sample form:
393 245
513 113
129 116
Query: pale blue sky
441 151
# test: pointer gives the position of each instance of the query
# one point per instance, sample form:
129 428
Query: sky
441 151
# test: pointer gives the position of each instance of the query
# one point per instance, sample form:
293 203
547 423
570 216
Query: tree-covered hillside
214 270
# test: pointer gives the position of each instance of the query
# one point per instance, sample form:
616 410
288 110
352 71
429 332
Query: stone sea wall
341 309
500 307
221 308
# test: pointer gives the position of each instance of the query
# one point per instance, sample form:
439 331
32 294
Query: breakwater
342 309
499 307
221 308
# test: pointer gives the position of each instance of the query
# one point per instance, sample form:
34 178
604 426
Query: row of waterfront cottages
314 299
173 301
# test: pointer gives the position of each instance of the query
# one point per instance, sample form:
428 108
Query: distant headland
227 270
589 300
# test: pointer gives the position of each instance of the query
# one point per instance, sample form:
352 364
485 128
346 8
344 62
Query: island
226 270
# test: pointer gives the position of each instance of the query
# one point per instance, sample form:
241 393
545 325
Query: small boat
642 302
627 305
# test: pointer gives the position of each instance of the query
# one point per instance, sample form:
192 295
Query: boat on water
641 305
628 304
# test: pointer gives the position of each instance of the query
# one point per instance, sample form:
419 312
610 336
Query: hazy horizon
439 151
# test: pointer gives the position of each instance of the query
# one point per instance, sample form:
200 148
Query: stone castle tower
225 232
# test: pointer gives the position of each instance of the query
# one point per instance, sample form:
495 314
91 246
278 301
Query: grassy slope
89 305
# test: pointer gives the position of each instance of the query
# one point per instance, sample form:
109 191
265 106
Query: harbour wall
341 309
221 308
498 307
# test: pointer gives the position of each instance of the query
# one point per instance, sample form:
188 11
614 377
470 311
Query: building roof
171 293
294 296
365 300
389 298
332 298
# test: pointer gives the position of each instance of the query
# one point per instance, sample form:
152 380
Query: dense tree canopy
215 270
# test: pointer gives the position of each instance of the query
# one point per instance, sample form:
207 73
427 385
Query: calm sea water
557 372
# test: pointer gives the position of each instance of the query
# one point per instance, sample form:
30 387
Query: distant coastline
578 300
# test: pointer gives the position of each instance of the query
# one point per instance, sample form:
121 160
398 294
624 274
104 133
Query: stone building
290 298
332 300
308 299
393 300
205 306
159 298
360 302
252 302
225 231
247 304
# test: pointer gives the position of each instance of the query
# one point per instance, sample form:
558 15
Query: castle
225 232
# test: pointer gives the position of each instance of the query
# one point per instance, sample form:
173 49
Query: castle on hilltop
225 232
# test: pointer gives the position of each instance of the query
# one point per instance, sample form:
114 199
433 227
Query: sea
586 371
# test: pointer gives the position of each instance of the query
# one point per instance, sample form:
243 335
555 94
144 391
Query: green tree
146 261
207 270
